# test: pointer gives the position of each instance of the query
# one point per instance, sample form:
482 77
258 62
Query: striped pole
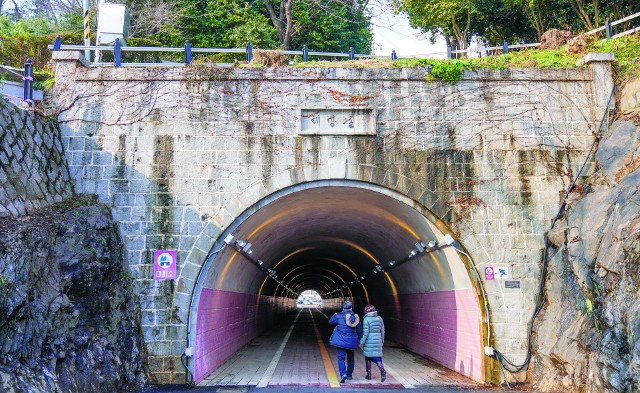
87 29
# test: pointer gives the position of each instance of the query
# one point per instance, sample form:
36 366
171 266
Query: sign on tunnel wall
337 121
164 265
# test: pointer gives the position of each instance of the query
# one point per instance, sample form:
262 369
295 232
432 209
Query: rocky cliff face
69 318
588 336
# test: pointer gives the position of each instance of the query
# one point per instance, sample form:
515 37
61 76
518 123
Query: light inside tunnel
309 299
340 241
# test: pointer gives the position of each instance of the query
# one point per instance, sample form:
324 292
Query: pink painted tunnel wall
444 326
227 321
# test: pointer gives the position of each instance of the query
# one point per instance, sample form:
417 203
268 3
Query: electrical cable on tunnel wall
505 363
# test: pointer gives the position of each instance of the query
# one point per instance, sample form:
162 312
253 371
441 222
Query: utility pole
87 40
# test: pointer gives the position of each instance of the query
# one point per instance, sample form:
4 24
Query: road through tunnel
344 240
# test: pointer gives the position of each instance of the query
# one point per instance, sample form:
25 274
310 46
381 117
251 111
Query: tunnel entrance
309 299
342 239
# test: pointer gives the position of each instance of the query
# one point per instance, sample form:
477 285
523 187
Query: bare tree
16 9
282 21
157 17
281 14
580 7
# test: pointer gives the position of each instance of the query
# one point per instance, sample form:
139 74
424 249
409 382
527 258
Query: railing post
57 43
249 52
352 55
607 24
28 83
305 53
505 46
393 55
117 52
187 52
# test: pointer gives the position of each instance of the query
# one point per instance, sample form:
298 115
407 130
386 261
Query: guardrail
188 51
608 25
26 74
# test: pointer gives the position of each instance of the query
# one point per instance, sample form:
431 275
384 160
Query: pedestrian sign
501 272
164 265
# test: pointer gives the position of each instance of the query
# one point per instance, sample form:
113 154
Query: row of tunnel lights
244 248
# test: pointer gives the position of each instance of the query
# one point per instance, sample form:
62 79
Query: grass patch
627 52
530 58
626 66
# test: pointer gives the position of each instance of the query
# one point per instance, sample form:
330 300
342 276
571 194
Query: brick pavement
301 361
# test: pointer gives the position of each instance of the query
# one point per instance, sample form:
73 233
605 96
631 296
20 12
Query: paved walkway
299 354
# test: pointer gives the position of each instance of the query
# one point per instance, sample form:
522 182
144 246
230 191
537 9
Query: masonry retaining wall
180 152
33 167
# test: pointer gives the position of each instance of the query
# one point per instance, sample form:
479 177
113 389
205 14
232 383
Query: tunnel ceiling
323 237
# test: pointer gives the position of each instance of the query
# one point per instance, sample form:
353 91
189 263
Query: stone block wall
33 168
181 152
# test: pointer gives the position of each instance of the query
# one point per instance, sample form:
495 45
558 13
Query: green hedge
15 50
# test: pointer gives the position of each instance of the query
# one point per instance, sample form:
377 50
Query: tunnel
345 240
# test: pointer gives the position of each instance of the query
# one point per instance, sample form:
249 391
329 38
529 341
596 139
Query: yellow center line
331 374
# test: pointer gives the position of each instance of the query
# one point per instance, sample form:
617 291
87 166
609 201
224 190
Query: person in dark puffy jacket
372 340
345 338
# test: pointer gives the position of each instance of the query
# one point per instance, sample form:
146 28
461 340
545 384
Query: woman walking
372 340
345 338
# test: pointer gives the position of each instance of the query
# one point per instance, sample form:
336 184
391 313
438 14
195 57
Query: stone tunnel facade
182 153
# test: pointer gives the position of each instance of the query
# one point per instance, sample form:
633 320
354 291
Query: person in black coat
346 336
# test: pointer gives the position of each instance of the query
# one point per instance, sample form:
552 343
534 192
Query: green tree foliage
29 38
511 20
440 17
323 25
494 22
332 26
212 24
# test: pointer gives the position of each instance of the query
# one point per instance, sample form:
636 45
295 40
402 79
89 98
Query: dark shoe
368 376
383 372
344 378
349 378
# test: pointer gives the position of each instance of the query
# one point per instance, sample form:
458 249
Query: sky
392 32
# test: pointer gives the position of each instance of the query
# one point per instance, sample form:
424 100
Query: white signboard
338 121
502 272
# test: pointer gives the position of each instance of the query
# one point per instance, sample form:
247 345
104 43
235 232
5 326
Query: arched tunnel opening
344 240
309 298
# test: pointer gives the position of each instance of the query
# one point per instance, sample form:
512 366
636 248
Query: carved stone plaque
337 121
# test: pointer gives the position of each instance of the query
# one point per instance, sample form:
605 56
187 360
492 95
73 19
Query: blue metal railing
607 27
26 74
188 51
